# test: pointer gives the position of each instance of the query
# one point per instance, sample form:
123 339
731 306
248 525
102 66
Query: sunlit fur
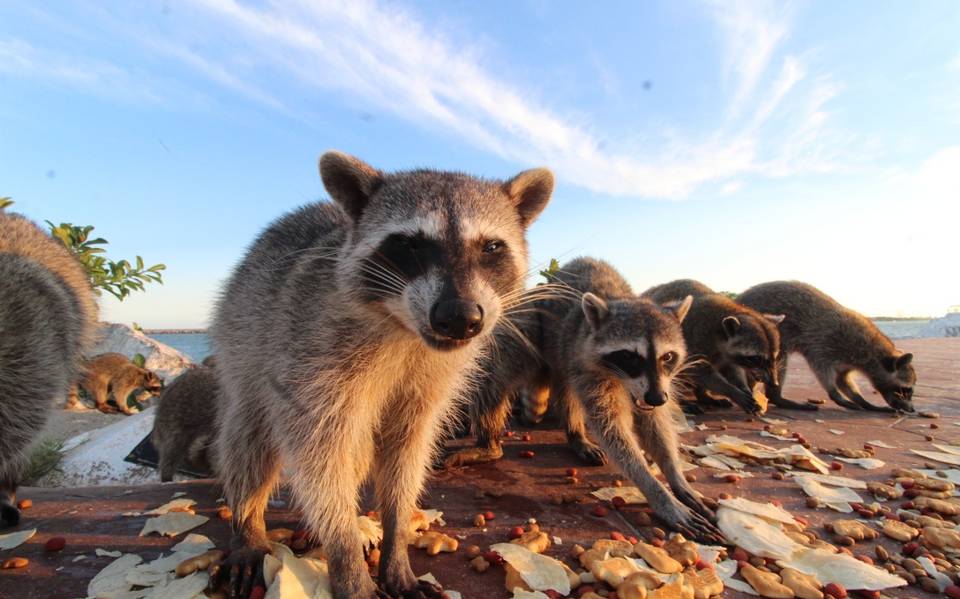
836 342
325 358
48 319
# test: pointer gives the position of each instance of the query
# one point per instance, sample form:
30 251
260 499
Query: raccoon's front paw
239 573
473 455
691 524
690 499
106 408
789 404
421 590
9 514
589 452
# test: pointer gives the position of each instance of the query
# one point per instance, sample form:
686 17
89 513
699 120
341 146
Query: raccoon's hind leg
829 378
849 388
122 391
576 426
99 389
535 401
249 469
614 428
403 457
658 438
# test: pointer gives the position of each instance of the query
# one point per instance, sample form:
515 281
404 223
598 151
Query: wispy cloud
383 56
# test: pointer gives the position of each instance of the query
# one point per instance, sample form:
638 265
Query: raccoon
114 374
183 427
344 341
678 289
48 318
836 342
611 359
736 347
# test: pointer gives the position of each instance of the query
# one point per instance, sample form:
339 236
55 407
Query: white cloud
383 56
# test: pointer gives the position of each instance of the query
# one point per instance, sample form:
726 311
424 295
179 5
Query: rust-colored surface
91 517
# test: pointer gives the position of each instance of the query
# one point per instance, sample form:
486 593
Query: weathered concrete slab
91 517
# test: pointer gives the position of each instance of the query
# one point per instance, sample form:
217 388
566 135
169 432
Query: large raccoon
48 317
611 359
677 289
736 347
836 342
183 428
115 374
344 340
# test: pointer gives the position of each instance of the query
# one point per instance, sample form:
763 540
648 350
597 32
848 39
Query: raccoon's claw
590 453
9 514
473 455
240 572
789 404
696 527
690 499
422 590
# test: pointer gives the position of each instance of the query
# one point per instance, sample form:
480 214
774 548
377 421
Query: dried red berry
55 544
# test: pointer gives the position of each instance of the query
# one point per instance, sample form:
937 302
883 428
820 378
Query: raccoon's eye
492 247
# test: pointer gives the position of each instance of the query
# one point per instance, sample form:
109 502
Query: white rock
167 362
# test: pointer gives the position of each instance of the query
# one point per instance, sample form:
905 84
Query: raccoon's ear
349 181
731 324
680 307
530 191
775 318
904 361
595 309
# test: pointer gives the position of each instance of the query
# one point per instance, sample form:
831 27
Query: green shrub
119 278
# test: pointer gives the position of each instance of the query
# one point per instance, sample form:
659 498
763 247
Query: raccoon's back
188 404
582 275
251 311
47 310
676 290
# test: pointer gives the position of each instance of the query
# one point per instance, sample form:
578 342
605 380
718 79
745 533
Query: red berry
571 471
836 466
908 505
657 542
869 594
508 434
740 554
493 557
583 590
516 532
702 565
618 502
55 544
553 594
777 503
526 454
632 540
835 590
911 547
526 437
732 478
489 516
952 591
617 536
741 564
599 511
257 592
803 521
908 483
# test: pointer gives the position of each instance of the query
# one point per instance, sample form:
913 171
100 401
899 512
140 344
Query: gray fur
677 289
329 362
48 317
591 312
836 342
719 334
183 428
115 374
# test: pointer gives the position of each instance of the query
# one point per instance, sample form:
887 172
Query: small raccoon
836 342
48 318
344 341
611 359
735 346
183 429
114 374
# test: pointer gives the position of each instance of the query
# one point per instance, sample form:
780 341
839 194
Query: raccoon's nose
654 398
456 319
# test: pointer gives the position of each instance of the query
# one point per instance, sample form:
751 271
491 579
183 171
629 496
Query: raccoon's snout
456 319
654 398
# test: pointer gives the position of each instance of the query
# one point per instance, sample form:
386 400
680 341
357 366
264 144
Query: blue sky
733 142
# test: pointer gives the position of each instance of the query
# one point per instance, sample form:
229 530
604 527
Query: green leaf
139 359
